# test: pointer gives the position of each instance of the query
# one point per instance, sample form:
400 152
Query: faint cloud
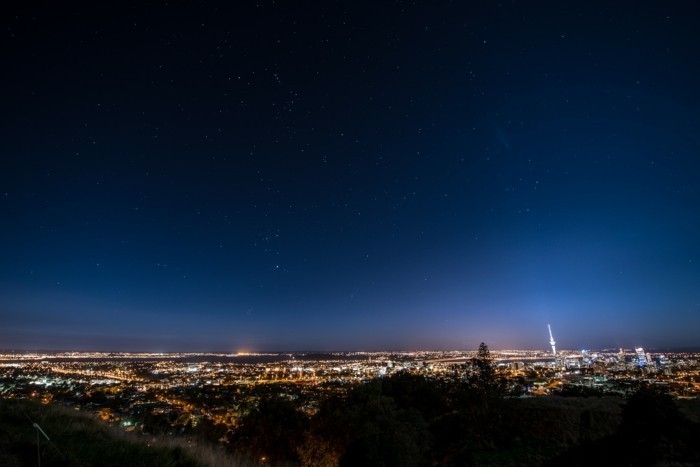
503 138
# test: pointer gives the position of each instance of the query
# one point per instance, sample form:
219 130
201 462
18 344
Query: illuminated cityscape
214 396
195 385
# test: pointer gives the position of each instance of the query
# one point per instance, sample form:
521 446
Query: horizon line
319 351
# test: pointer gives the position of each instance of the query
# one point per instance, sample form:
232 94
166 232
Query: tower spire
551 341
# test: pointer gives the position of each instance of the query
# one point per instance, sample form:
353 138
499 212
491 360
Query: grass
78 439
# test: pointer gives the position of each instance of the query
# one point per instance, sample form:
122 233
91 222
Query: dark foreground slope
402 420
407 420
655 430
79 440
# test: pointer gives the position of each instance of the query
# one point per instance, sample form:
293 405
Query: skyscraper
641 357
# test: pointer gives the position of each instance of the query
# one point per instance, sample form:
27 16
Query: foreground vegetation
77 439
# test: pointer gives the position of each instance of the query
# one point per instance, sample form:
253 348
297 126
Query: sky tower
551 341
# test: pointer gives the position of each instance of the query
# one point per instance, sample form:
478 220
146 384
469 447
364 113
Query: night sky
337 176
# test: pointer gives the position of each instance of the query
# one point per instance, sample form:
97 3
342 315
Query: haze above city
344 176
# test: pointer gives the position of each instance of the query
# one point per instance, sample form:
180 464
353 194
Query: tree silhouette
654 427
273 430
368 428
484 378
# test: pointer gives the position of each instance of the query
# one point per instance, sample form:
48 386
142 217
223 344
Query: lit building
641 357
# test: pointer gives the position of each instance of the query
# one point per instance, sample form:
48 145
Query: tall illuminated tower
551 341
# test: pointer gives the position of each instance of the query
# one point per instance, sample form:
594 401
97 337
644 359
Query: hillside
397 421
78 439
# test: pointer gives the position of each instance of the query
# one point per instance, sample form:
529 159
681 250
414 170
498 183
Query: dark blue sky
347 176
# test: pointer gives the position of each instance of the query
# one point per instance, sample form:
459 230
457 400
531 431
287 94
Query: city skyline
349 177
